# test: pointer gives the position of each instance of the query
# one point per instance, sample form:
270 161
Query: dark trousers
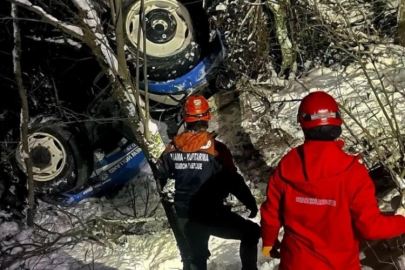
226 225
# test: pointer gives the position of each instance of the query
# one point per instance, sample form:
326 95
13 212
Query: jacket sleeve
225 157
369 222
270 210
238 185
241 191
163 168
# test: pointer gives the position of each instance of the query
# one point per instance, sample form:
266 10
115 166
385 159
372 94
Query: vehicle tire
172 45
58 163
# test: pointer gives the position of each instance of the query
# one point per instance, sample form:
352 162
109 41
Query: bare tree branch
71 29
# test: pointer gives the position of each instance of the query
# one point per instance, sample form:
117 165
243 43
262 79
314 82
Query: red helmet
195 109
319 109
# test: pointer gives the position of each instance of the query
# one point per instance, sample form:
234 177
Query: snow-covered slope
257 141
153 246
370 115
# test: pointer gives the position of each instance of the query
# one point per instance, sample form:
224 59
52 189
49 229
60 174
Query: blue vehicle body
183 83
123 164
111 172
191 79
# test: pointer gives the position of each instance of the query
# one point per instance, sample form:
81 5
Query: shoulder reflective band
198 115
310 117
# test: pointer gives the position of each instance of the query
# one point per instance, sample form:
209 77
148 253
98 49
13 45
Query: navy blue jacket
204 174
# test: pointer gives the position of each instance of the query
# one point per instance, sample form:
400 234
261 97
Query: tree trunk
119 35
123 89
151 142
401 23
280 10
90 31
123 69
24 113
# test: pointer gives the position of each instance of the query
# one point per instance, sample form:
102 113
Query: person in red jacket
323 197
205 174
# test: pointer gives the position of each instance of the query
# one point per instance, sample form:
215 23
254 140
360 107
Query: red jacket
325 200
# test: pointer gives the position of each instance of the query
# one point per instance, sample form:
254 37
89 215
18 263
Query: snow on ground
352 89
257 142
154 247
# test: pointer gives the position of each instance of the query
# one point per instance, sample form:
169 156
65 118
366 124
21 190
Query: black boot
186 266
248 256
186 263
199 264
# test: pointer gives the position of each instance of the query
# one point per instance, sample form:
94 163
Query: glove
253 212
266 251
272 251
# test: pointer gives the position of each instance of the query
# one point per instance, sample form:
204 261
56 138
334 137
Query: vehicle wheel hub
41 157
160 26
48 156
168 27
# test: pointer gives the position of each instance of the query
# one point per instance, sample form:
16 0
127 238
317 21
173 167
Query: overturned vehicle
73 160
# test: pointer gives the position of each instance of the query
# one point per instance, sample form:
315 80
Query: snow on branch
71 29
57 40
92 20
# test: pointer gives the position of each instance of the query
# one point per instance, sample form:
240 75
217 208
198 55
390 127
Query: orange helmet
319 109
195 109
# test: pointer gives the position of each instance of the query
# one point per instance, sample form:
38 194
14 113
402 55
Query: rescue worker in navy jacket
205 174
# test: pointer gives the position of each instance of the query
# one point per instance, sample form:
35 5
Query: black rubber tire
173 66
76 170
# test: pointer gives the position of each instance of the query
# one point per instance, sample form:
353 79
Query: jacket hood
194 141
316 161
